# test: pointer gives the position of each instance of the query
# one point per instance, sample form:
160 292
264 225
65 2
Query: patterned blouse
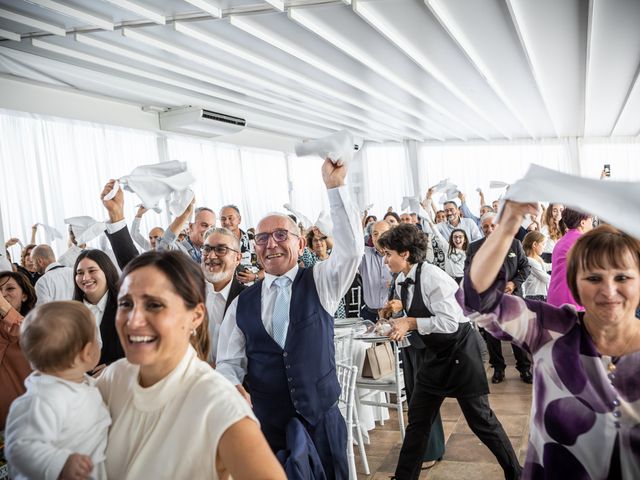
585 404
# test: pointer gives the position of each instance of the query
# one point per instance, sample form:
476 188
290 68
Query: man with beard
454 220
220 257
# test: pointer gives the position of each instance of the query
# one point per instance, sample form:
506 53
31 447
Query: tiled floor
465 456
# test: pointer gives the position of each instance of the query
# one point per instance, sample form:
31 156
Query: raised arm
489 259
117 231
135 230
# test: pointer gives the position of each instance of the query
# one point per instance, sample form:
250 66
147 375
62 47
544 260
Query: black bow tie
407 282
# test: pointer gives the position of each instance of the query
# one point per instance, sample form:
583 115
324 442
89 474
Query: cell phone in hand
607 170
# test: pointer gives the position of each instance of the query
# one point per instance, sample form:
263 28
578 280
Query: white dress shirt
98 312
466 224
216 302
438 293
332 277
137 237
55 284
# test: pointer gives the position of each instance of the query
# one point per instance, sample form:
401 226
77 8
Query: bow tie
407 282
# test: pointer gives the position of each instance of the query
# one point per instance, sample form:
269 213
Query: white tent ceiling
432 70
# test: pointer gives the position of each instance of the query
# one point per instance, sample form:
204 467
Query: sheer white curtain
622 154
308 192
51 169
386 176
472 166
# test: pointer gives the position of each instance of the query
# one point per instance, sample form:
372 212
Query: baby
58 428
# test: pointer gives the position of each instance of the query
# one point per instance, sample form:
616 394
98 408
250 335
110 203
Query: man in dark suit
517 270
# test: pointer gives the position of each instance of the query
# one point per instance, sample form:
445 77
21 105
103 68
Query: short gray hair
294 226
487 216
223 231
233 207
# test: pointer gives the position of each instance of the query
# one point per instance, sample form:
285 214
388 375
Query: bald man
376 276
56 282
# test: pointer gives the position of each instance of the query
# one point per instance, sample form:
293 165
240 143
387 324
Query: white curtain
622 154
308 192
51 169
386 176
472 166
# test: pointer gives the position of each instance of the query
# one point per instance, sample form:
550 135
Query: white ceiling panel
388 70
611 77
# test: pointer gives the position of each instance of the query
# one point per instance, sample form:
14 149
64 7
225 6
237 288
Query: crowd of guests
220 340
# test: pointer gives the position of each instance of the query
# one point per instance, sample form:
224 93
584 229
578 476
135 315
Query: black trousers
496 360
423 409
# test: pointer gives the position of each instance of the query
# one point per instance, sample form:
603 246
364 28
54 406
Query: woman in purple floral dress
585 414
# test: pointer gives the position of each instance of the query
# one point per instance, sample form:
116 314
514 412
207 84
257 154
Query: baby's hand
77 467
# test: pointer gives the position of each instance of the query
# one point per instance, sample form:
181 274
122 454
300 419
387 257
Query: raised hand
115 206
333 175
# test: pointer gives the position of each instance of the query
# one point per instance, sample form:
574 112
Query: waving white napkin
85 228
611 200
50 233
338 147
324 223
497 184
153 183
179 201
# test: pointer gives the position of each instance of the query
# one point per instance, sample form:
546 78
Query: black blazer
516 266
111 347
234 291
123 246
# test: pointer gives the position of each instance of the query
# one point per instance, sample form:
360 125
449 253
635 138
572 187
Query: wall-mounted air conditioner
199 121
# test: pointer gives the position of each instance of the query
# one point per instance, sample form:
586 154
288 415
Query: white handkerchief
369 207
85 228
50 233
612 201
155 182
112 193
339 147
410 203
497 184
444 185
155 209
179 201
306 223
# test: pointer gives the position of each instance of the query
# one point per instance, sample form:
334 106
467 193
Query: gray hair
487 216
224 231
44 252
234 207
290 221
200 209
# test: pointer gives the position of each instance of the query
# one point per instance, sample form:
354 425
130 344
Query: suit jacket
515 267
111 347
123 247
234 291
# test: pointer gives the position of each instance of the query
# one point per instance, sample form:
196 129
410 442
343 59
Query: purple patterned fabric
579 406
559 293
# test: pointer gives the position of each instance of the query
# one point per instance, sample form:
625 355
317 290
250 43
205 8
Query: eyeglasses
279 236
221 250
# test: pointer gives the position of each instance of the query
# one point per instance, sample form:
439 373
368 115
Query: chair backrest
343 343
354 301
347 375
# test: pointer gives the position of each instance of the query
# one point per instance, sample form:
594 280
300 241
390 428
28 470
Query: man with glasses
230 218
220 258
454 221
205 218
279 331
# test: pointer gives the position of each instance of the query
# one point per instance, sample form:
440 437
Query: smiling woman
164 395
96 285
586 364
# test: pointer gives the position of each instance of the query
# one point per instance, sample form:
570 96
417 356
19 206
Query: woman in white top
173 415
550 228
96 285
537 283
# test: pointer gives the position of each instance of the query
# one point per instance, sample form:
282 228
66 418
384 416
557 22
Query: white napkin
338 147
179 201
444 185
85 228
155 182
50 233
306 223
612 201
497 184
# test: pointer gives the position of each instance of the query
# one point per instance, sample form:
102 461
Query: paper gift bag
379 361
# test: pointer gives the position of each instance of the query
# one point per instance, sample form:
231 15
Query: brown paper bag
379 361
